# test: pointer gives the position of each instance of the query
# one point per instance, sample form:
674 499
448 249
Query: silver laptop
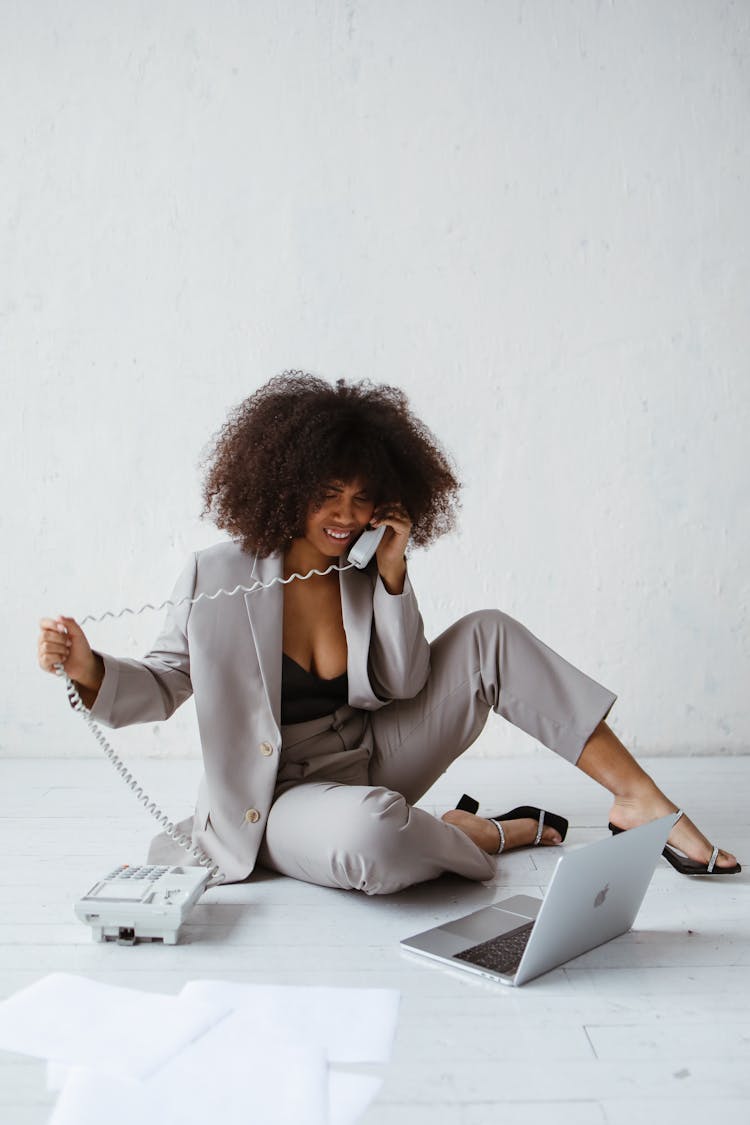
593 896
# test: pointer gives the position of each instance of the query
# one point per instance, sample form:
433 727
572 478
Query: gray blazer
227 654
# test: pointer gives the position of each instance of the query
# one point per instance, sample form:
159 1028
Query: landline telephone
150 902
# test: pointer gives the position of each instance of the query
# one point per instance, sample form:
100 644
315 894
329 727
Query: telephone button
266 749
252 816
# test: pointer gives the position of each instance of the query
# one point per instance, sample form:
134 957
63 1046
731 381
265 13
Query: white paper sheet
90 1096
217 1051
76 1021
350 1024
208 1081
245 1069
349 1096
93 1095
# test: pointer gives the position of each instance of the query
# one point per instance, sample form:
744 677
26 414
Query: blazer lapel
265 609
356 610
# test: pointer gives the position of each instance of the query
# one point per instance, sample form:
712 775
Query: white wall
531 216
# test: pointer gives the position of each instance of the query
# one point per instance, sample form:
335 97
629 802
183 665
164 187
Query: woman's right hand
63 641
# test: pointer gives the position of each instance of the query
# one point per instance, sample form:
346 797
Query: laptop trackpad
494 920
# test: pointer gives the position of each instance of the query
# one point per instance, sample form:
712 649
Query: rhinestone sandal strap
714 853
540 828
501 846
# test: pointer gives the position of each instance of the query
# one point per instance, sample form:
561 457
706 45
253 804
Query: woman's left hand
392 548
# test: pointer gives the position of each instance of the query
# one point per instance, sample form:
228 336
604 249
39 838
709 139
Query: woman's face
346 511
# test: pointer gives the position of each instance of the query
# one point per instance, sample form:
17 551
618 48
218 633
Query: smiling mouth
337 535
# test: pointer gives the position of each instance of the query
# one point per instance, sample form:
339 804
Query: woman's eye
357 499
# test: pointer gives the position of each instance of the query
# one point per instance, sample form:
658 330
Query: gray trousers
343 812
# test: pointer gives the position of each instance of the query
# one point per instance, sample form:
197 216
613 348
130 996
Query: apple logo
601 896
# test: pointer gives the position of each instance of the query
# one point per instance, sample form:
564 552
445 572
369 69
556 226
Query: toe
726 859
687 838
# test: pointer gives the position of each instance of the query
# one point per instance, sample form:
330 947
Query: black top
307 696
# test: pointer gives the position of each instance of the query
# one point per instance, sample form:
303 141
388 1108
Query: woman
324 714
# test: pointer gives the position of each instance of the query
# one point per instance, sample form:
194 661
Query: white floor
653 1027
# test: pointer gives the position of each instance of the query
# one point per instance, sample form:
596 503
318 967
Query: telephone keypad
128 871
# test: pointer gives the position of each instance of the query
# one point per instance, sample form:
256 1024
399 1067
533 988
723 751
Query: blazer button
266 749
252 816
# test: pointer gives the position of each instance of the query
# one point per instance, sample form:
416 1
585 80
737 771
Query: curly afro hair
270 462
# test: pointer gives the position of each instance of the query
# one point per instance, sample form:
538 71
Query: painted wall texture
530 216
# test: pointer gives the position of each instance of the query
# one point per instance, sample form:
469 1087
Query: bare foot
484 833
684 836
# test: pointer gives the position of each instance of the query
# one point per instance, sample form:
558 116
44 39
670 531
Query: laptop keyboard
501 954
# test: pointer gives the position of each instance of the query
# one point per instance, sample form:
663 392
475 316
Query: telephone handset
366 546
114 915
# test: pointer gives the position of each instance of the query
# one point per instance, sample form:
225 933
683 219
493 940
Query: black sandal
683 863
553 820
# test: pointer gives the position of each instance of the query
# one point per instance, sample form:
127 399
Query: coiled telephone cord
170 828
